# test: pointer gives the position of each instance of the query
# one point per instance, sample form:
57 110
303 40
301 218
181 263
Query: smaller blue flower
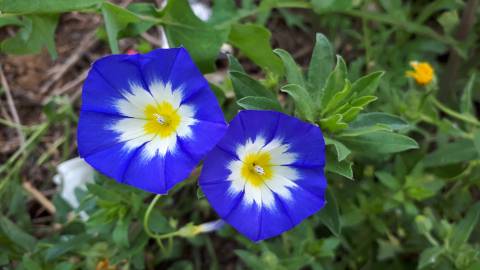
267 173
147 120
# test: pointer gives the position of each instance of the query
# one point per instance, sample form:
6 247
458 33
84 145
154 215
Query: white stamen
160 119
258 169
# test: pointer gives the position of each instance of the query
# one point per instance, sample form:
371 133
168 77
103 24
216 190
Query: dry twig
59 70
11 106
37 195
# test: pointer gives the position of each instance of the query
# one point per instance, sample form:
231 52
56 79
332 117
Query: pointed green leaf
466 226
44 6
321 64
476 140
36 32
234 65
363 101
466 104
120 233
341 149
260 51
16 234
335 82
303 101
116 19
367 85
351 114
338 98
293 73
429 257
329 215
379 142
333 123
388 180
455 152
259 103
375 118
245 86
333 165
202 41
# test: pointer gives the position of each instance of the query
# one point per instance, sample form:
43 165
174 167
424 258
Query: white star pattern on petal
277 177
132 130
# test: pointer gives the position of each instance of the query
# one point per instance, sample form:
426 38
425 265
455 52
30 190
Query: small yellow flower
423 72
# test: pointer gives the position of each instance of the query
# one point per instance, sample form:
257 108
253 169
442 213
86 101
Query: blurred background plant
403 172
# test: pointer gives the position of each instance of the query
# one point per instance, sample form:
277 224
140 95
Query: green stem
146 217
453 113
431 239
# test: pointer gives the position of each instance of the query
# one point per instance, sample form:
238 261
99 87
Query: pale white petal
139 141
250 147
164 93
238 183
128 109
128 128
280 155
159 146
186 114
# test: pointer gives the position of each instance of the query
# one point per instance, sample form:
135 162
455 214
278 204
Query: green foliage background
403 160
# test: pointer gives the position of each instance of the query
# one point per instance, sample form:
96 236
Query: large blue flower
267 174
147 120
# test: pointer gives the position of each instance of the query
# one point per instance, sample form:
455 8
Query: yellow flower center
257 168
162 119
423 72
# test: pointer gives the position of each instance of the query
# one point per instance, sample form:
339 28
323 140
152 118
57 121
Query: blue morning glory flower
267 173
147 120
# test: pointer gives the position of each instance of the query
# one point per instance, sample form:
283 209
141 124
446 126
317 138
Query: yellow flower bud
422 72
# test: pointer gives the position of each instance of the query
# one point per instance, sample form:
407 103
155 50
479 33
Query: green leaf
37 32
30 264
293 73
378 118
333 123
368 84
234 65
259 103
10 20
202 41
303 102
223 11
342 151
120 233
45 6
321 64
363 101
116 19
476 140
451 153
466 104
429 256
333 165
388 180
260 51
245 86
64 246
251 260
379 142
351 114
464 229
329 215
339 98
16 234
335 82
321 6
